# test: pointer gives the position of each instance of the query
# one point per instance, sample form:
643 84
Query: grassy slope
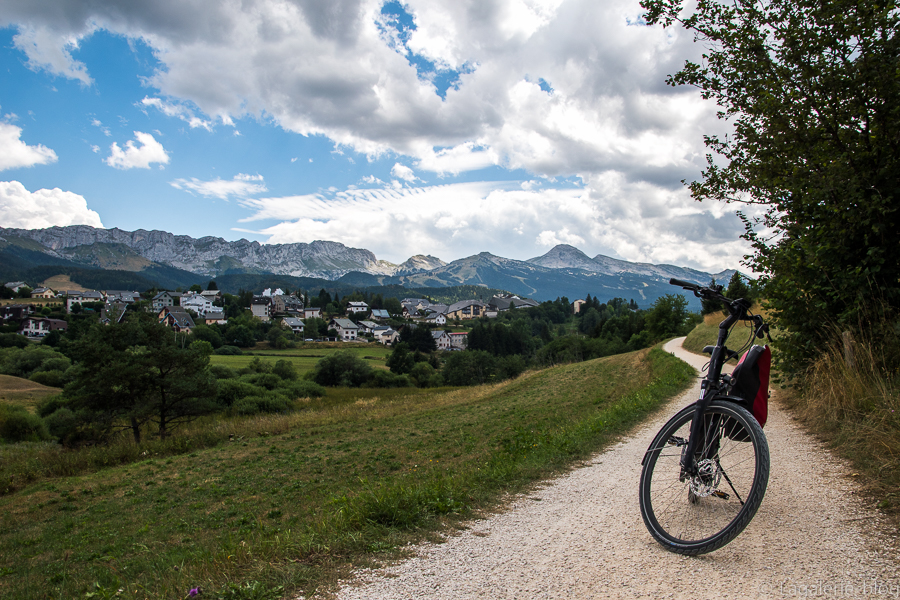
23 392
348 478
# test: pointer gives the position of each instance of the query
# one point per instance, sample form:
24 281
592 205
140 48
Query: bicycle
705 473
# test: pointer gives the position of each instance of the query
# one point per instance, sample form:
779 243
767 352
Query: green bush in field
222 372
19 425
62 424
264 403
386 379
22 362
424 375
285 369
343 368
471 367
229 391
12 340
269 381
228 351
302 389
49 378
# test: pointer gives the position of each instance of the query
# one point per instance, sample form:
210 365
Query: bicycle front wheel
698 514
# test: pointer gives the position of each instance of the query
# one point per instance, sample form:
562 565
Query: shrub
385 379
229 391
342 368
470 367
12 340
50 405
222 372
24 362
62 424
269 381
227 351
19 425
302 389
285 369
509 367
49 378
264 403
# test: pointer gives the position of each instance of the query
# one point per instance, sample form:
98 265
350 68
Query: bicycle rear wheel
696 515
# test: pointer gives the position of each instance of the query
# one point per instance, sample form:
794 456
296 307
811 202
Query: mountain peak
564 256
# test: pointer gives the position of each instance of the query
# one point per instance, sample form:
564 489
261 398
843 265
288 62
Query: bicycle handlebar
737 308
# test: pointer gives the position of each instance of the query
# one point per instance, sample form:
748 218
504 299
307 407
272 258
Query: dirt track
581 536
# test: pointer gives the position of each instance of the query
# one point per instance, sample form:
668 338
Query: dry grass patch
24 392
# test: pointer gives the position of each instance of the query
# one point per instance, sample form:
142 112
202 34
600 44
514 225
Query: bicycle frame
711 387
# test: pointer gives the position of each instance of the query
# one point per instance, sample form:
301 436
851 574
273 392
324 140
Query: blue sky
430 127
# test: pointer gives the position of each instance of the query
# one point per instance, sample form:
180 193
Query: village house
367 327
347 329
442 339
122 296
418 303
576 306
410 311
386 336
261 307
284 304
357 307
213 295
467 309
196 302
15 285
294 324
39 326
43 292
311 313
16 312
458 340
177 318
436 319
506 302
83 298
379 313
164 299
215 318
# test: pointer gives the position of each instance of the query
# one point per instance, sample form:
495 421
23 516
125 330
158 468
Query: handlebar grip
684 284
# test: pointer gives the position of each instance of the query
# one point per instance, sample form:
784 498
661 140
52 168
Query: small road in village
581 536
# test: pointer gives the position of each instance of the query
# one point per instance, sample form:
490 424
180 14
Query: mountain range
164 258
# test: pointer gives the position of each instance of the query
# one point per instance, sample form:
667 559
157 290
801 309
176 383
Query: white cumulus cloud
15 153
43 208
137 156
403 172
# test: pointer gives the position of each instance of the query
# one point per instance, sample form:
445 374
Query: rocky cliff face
328 260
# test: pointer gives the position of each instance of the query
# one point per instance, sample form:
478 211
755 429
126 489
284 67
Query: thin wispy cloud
241 186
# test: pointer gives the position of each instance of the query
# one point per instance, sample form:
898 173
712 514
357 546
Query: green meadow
305 358
279 505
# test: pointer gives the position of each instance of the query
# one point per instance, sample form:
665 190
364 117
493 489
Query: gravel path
581 536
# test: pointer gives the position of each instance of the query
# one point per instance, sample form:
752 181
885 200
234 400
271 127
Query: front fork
689 456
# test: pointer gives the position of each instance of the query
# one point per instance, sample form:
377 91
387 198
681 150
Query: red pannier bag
751 381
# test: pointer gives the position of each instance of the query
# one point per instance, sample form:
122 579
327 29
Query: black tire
701 514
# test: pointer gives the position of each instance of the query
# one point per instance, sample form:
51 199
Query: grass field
304 359
347 481
16 390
